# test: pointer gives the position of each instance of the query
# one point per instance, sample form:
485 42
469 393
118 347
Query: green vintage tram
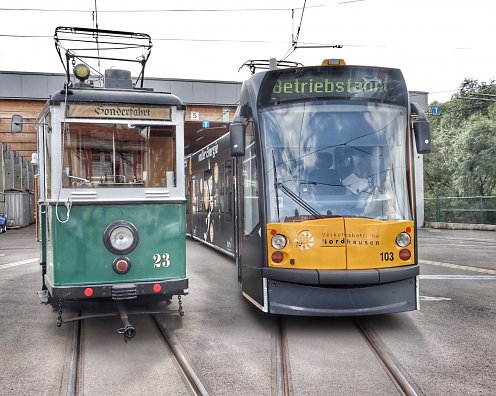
111 206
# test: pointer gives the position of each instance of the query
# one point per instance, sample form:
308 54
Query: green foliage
463 161
476 152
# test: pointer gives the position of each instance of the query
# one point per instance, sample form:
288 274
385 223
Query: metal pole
482 209
438 210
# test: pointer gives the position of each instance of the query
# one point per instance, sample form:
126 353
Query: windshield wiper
298 200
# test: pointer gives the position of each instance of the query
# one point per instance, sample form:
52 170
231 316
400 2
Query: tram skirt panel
296 299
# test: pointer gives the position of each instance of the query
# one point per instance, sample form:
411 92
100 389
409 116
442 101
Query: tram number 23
387 256
161 260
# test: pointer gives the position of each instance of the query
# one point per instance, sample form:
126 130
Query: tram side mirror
16 123
422 130
237 133
245 111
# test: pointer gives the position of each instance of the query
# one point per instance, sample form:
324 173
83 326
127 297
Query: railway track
282 382
395 372
73 377
192 379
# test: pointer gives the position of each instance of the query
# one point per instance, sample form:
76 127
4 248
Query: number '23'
161 260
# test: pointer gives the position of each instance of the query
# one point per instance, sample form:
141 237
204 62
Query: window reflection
115 155
341 159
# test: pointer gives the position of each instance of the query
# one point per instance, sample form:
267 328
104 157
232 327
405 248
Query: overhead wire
162 10
95 19
294 39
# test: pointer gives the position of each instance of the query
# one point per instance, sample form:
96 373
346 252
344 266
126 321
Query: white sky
435 43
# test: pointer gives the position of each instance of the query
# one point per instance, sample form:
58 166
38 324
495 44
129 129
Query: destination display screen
333 82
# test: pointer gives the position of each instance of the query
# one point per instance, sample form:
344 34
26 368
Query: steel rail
281 371
392 368
186 368
74 361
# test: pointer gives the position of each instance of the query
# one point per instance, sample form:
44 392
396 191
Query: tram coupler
59 318
128 330
180 309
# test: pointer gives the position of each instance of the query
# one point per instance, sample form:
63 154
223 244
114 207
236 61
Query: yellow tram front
327 188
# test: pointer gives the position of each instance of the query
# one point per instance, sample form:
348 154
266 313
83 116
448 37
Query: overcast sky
435 43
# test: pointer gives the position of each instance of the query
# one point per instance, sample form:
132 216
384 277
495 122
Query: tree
476 155
464 143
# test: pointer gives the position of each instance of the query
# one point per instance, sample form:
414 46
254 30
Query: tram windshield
116 155
335 158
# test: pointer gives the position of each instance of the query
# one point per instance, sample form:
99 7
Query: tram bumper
118 291
343 293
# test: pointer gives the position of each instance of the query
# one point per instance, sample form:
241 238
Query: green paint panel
79 256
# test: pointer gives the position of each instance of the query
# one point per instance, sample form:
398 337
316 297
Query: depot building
210 106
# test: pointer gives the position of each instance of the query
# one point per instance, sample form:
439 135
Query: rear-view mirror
237 134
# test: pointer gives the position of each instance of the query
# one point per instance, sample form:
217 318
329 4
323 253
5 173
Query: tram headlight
278 241
81 71
120 237
403 239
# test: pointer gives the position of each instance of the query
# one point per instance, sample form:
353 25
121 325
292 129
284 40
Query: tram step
124 291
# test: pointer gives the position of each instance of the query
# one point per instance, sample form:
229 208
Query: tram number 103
161 260
387 256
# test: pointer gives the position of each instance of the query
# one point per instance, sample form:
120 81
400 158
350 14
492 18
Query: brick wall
24 142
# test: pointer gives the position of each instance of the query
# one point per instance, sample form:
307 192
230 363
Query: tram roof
100 95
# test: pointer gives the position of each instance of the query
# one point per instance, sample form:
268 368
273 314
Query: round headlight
278 241
120 237
403 239
81 71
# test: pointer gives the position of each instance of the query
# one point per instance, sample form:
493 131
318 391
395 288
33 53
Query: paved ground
446 348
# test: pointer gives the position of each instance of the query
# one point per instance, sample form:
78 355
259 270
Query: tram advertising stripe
457 266
16 263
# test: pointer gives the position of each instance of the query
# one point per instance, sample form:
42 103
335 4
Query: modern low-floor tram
323 191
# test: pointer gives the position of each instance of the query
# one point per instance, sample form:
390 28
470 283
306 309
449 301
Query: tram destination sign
339 82
113 111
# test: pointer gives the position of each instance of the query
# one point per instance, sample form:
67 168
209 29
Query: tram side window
48 158
206 203
228 188
115 155
250 185
162 157
219 188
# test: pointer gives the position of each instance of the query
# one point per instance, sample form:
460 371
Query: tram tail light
88 292
121 265
405 254
277 257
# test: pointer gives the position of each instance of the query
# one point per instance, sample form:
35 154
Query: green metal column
438 210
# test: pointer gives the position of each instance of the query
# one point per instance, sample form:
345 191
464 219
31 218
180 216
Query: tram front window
337 159
115 155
